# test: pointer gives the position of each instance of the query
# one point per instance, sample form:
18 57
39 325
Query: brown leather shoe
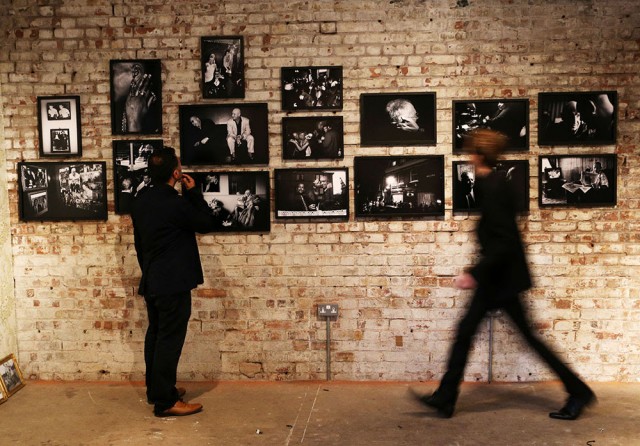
180 409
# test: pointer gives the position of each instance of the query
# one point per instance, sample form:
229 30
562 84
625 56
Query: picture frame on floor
3 393
10 375
577 118
56 191
507 116
130 170
136 96
399 186
222 65
240 200
398 119
577 180
224 134
311 88
312 138
59 127
312 193
467 199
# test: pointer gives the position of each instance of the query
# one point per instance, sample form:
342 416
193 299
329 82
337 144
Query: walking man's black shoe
445 405
574 407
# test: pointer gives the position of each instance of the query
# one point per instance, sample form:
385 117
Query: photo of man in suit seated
224 134
239 200
239 138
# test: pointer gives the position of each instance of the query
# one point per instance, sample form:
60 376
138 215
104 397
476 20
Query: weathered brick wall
79 316
8 340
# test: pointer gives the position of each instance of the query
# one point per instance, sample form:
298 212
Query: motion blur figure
498 278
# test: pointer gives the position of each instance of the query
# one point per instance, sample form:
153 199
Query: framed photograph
467 198
222 59
577 118
11 375
312 138
224 134
577 180
59 126
130 173
399 186
312 193
241 200
507 116
311 88
3 393
397 119
58 191
136 97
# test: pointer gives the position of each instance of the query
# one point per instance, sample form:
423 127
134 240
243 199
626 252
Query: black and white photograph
311 88
33 177
397 119
11 375
59 126
399 186
58 110
136 97
222 65
312 193
507 116
577 180
224 134
312 138
130 174
577 118
60 141
467 196
38 202
62 191
240 200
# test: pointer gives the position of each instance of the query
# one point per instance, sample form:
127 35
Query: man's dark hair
162 163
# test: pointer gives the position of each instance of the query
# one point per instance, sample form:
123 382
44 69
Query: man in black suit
466 194
165 226
330 141
202 143
498 277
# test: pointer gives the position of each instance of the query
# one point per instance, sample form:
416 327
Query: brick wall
79 317
8 340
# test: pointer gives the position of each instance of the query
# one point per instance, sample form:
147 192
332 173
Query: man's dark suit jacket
165 226
502 269
330 143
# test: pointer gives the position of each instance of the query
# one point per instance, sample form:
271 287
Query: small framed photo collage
225 141
59 126
11 379
62 190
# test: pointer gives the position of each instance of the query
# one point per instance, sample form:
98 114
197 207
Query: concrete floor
315 414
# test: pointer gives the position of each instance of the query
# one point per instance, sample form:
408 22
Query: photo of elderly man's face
403 115
390 119
467 179
571 116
